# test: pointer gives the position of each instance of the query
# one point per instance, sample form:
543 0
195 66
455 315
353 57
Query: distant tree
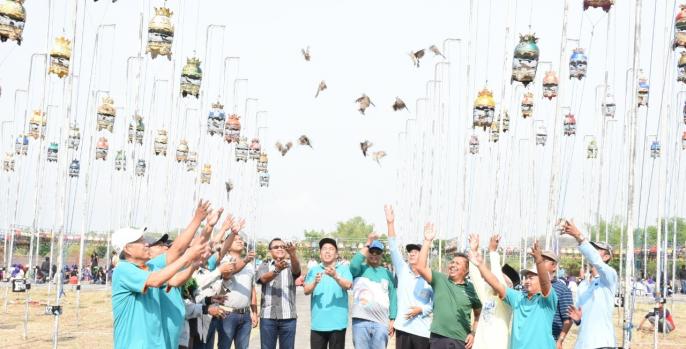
355 228
315 234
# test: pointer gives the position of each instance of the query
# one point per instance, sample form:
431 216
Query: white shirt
240 287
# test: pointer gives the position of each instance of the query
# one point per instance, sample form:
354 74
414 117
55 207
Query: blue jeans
236 329
215 325
683 286
369 334
284 330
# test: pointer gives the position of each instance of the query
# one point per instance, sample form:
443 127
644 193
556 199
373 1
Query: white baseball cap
123 236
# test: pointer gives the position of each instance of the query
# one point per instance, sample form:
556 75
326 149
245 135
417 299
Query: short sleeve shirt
329 302
529 317
172 307
278 295
453 304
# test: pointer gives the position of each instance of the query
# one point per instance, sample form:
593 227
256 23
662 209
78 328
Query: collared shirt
329 302
530 317
494 322
374 291
172 308
596 298
413 291
564 301
278 295
240 287
453 305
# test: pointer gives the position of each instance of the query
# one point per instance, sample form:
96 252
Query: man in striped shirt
561 321
277 311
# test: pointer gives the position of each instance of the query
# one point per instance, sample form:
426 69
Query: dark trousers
327 339
440 342
404 340
283 330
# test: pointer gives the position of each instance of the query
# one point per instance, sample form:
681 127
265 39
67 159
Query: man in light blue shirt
415 295
596 297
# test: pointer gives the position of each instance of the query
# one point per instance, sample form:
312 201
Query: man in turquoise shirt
328 283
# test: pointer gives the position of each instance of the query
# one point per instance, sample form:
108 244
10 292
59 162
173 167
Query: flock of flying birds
363 103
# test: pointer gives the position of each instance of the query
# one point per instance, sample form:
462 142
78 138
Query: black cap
163 240
327 241
410 247
511 273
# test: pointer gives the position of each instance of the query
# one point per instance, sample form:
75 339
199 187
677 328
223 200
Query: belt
235 310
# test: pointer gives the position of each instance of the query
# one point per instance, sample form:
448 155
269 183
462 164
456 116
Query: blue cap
376 244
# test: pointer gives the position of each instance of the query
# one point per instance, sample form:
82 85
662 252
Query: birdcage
37 124
592 149
74 138
21 145
191 77
160 147
495 133
8 162
106 115
255 149
264 179
578 64
136 130
59 57
680 28
681 68
160 33
191 161
262 163
74 168
604 4
609 107
569 125
683 141
206 174
684 113
120 161
140 168
242 150
643 89
474 144
101 149
541 134
527 105
53 149
216 119
12 19
525 59
506 121
182 151
484 109
655 149
550 85
232 129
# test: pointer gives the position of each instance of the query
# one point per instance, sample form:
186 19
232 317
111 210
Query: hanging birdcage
473 145
74 168
59 57
74 137
21 145
506 121
550 85
191 77
541 135
684 113
604 4
8 162
191 161
160 33
683 141
255 149
655 149
206 174
101 149
484 109
37 124
262 163
527 105
643 89
120 161
242 150
12 19
570 125
160 147
53 149
525 60
495 132
106 115
264 179
592 149
680 28
182 151
136 129
232 129
681 68
609 106
578 64
140 168
216 119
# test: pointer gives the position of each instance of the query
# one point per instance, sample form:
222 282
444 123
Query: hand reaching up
473 242
493 243
429 233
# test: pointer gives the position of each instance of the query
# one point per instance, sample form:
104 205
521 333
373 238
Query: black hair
274 239
461 255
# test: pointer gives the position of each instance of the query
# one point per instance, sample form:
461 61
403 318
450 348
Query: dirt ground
94 328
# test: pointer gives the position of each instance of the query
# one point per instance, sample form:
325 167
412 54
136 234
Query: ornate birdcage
506 121
643 89
192 161
609 107
655 149
683 141
8 162
570 125
59 57
264 179
101 149
232 129
160 147
140 168
255 149
680 28
592 149
484 109
242 150
541 134
136 129
191 77
182 151
37 124
74 137
550 85
473 145
262 163
527 105
74 168
578 64
106 114
120 161
681 68
160 33
604 4
21 145
206 174
525 60
12 19
53 149
216 119
495 132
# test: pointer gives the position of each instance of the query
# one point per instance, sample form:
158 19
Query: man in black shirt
682 277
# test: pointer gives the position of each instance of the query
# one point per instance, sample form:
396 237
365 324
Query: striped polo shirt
278 295
564 301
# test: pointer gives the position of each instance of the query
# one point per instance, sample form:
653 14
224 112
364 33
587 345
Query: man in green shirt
454 299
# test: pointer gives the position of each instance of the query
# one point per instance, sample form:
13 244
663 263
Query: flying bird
306 53
399 105
304 140
363 103
365 146
378 155
436 51
284 149
322 87
416 56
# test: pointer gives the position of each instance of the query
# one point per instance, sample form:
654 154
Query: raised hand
228 223
493 243
429 233
570 229
213 217
475 257
390 216
372 236
238 226
473 242
290 248
536 252
249 257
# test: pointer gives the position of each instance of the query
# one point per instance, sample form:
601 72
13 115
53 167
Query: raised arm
543 276
396 258
309 287
607 275
181 277
235 227
422 266
356 266
184 239
486 274
474 274
159 277
295 263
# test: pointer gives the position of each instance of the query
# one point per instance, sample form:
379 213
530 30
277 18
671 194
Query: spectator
682 278
665 320
45 266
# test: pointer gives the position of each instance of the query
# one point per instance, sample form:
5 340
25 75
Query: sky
357 47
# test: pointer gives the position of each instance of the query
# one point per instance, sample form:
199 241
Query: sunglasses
279 247
376 252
